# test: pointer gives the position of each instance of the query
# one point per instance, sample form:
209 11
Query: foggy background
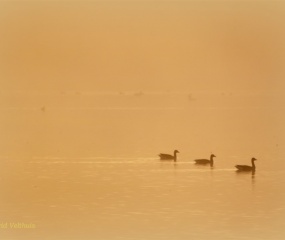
92 91
103 46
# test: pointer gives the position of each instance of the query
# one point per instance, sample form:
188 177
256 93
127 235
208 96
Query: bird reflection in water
248 172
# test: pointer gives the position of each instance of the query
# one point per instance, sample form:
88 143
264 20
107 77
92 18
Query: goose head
176 151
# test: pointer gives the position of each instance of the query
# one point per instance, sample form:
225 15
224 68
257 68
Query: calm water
86 166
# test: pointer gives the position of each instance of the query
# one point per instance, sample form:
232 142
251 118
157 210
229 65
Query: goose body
164 156
246 167
206 161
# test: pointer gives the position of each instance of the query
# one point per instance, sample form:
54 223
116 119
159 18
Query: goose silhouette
206 161
164 156
246 167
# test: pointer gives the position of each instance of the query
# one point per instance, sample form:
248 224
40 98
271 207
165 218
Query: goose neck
175 155
253 164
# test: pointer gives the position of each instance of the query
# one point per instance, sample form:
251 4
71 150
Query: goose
164 156
206 161
246 167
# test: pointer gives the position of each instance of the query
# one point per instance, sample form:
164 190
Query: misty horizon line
140 92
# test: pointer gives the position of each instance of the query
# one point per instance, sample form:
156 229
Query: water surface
86 167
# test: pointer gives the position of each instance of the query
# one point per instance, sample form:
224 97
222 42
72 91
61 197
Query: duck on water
206 161
246 168
164 156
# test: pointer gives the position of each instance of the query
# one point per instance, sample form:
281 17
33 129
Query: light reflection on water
81 173
141 199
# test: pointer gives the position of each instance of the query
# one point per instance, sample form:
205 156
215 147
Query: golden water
86 167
